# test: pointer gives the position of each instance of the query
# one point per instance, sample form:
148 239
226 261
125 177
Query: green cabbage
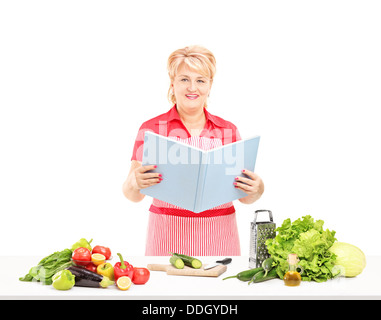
349 258
310 242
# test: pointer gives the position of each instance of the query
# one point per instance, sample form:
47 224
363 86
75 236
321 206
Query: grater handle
262 210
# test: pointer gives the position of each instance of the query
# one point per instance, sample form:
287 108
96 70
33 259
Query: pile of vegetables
84 266
320 256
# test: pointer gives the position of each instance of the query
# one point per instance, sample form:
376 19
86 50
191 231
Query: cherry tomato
102 250
81 256
141 275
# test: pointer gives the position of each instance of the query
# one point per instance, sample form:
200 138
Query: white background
77 79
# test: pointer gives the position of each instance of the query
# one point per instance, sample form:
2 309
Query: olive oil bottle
292 278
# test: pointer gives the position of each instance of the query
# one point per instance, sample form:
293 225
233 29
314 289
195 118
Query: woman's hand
146 179
253 186
138 178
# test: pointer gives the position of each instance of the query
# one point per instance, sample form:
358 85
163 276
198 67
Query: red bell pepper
123 268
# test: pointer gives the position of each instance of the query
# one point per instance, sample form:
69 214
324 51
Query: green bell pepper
82 243
63 280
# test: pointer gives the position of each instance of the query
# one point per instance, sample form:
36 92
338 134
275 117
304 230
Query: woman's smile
192 96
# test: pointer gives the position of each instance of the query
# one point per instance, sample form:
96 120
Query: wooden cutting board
188 271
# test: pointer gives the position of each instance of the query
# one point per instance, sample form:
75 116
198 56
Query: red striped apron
210 233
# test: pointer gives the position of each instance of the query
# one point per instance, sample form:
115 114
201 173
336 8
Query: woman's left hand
253 186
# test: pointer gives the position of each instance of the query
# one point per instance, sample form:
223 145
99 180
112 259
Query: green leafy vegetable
47 267
310 242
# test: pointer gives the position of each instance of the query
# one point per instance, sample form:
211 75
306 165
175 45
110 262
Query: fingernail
155 167
243 170
237 178
235 183
160 175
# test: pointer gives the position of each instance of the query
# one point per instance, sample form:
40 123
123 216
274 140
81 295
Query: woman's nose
192 86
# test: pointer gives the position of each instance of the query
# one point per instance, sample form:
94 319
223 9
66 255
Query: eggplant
86 278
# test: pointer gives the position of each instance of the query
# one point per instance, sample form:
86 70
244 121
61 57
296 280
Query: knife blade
218 262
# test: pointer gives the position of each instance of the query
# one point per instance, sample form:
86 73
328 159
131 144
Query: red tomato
141 275
81 256
102 250
91 267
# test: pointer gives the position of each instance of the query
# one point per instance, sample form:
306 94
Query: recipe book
196 179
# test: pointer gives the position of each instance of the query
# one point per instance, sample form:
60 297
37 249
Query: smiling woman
188 59
171 228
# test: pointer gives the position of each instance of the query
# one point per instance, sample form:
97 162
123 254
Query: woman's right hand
146 179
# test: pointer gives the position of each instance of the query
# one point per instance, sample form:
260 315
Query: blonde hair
195 57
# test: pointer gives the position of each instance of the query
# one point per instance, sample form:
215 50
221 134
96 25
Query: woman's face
190 88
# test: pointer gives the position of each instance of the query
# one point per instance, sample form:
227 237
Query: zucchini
176 262
86 278
245 275
189 261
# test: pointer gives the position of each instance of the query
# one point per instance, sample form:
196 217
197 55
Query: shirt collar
174 115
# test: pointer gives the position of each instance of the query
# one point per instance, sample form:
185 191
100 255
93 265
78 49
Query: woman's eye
201 81
184 79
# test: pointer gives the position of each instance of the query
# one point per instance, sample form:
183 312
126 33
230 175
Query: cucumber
245 275
189 261
176 262
262 276
267 265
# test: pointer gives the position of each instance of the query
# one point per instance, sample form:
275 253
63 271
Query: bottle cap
293 258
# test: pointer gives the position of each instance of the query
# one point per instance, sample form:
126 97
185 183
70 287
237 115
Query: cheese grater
259 233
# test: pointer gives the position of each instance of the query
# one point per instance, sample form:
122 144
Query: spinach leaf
48 266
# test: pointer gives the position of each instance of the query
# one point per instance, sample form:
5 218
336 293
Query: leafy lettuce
310 242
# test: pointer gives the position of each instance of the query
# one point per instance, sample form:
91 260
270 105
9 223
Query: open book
195 179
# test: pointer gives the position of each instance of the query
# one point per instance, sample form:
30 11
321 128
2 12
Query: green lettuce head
310 242
349 258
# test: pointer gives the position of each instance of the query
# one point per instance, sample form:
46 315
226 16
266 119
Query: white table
162 286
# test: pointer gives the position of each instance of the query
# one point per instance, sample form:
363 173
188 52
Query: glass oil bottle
292 278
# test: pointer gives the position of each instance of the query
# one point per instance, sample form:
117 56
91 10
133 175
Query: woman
212 232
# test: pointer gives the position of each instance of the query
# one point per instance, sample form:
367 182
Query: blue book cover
195 179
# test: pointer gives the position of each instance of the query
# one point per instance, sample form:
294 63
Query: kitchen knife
217 263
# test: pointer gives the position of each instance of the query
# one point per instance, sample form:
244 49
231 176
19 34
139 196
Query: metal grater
259 233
